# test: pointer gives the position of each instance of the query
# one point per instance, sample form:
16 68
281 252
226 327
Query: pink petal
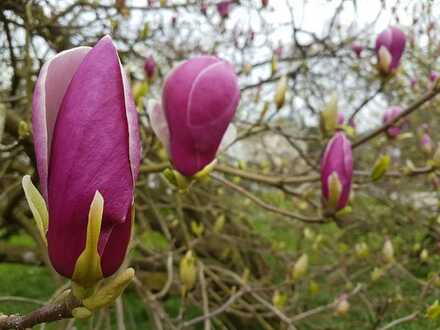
52 83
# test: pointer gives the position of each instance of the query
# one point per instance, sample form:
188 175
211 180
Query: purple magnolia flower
433 77
223 8
199 100
352 123
341 118
357 49
413 83
389 115
86 140
390 45
426 143
150 67
336 172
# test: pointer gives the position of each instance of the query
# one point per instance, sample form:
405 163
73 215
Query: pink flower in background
390 114
390 45
150 67
341 118
336 172
199 100
357 49
426 143
224 8
86 145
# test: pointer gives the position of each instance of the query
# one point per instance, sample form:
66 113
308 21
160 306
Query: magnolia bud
377 273
279 299
300 268
280 93
219 224
388 251
342 305
390 45
426 143
336 173
188 272
328 119
274 64
424 255
197 228
380 167
362 250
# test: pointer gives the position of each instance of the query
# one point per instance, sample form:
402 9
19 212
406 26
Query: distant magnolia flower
390 45
87 150
264 3
352 123
224 8
357 49
150 67
336 173
389 115
426 143
413 83
199 100
341 118
433 78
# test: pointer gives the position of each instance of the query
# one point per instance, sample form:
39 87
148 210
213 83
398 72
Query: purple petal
394 40
159 123
338 158
199 99
115 250
134 142
90 152
52 83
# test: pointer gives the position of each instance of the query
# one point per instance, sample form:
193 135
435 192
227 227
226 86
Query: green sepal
87 270
342 212
110 291
81 313
204 172
280 92
334 191
37 205
328 118
183 183
380 167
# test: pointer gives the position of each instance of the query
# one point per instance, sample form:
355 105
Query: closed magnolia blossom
390 114
87 150
390 45
199 100
357 49
150 67
341 119
336 173
223 8
426 143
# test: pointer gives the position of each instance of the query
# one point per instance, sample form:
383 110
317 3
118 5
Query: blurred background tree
266 257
